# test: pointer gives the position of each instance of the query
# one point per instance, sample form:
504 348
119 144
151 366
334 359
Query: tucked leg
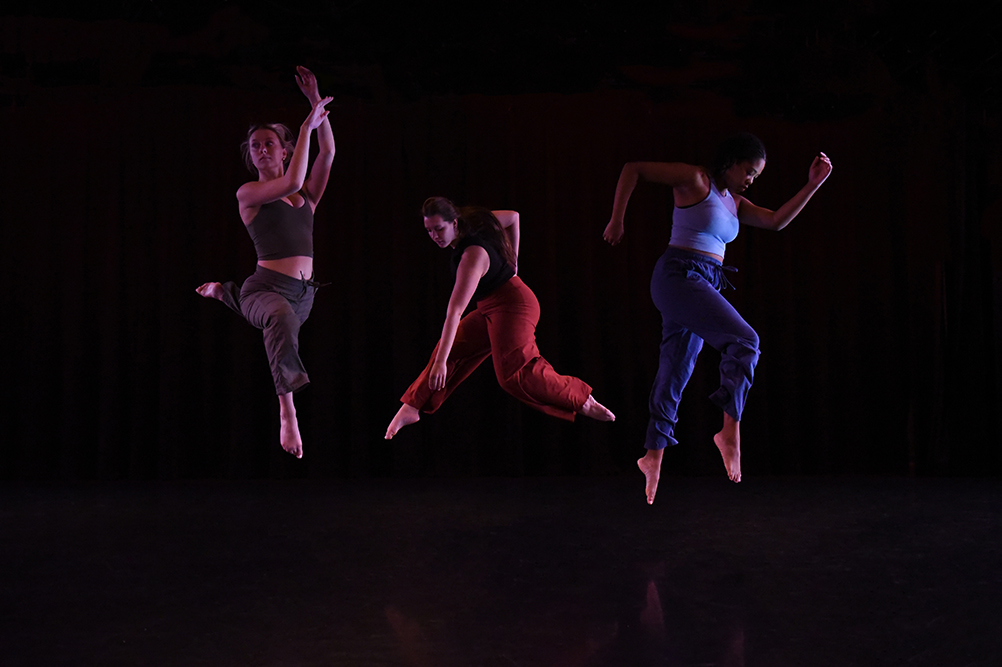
512 313
704 312
227 292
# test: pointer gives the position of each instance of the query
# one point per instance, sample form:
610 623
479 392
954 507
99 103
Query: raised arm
756 216
256 193
317 181
472 267
509 222
686 180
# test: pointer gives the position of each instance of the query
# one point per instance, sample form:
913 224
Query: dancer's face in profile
742 174
442 232
266 150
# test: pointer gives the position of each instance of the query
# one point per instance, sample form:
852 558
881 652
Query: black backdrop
878 309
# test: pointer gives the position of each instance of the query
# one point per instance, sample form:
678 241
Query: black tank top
280 230
498 274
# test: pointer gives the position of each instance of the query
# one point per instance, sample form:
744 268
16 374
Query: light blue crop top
707 226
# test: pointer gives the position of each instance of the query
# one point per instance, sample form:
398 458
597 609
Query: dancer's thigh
692 304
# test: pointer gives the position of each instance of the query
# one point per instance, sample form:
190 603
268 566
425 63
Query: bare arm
472 267
687 182
756 216
316 184
509 222
255 193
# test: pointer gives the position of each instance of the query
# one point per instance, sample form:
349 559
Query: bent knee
745 346
283 318
510 384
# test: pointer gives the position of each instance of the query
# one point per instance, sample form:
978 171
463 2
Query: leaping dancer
277 210
687 281
501 326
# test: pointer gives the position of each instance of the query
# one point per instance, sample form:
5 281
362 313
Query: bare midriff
719 258
299 266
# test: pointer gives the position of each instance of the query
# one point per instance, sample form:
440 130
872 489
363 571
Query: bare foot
211 290
292 442
406 415
650 465
728 441
596 410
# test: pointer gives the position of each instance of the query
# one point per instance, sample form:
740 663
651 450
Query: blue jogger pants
686 289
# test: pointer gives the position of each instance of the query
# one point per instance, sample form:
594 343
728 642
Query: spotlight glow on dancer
687 281
277 210
501 326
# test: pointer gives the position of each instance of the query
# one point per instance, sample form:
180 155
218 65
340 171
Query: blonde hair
285 137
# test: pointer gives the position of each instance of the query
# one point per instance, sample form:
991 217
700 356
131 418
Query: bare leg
407 414
650 465
596 410
211 290
291 441
728 441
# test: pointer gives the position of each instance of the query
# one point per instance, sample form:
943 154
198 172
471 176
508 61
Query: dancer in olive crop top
277 210
502 324
687 281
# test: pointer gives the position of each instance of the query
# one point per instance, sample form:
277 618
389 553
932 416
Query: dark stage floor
501 572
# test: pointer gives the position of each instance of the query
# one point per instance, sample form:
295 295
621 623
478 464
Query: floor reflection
503 573
560 611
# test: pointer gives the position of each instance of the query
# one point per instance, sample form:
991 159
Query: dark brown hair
475 220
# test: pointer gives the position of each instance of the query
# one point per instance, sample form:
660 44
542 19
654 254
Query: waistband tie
310 282
720 277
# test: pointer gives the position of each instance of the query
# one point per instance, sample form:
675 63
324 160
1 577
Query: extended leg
276 316
470 348
678 353
280 317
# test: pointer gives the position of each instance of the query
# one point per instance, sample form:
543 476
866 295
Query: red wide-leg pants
503 326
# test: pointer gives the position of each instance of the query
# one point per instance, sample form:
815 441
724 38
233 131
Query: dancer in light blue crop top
687 281
707 226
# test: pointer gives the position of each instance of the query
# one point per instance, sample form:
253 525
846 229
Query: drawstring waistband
721 277
711 269
310 282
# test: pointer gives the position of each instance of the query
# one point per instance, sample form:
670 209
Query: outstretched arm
256 193
317 181
509 222
685 179
756 216
472 267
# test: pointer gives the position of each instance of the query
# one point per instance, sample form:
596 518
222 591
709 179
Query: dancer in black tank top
277 210
502 324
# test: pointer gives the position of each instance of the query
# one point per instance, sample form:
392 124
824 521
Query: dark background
878 309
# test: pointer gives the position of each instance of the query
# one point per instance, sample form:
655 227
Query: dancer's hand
614 232
317 114
436 379
819 171
307 83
